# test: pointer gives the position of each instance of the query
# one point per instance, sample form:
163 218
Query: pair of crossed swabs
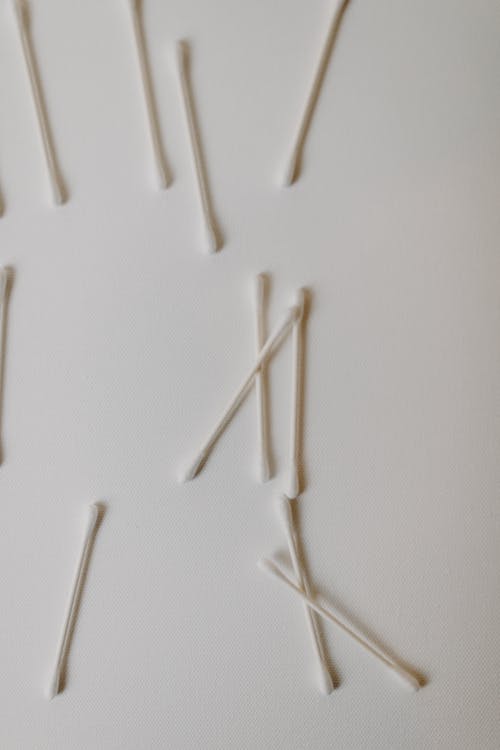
265 349
301 589
293 482
312 607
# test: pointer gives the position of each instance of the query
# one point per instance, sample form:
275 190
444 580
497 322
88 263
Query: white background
125 341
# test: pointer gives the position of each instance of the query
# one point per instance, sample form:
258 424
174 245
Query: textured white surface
125 341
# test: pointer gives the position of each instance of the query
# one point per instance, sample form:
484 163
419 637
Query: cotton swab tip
54 687
95 509
163 178
59 194
260 283
212 239
325 680
406 677
22 11
290 172
194 468
301 301
181 51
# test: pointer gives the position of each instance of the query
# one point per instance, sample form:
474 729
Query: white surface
125 341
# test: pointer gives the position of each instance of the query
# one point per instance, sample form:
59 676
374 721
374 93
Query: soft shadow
64 667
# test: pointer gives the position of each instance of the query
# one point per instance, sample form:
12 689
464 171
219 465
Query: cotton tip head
260 285
163 177
94 513
22 11
182 52
325 679
406 677
301 301
55 686
194 468
213 243
59 193
96 510
290 171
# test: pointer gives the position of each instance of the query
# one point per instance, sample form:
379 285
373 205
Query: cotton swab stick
409 679
293 489
241 393
4 275
149 98
4 284
298 145
4 280
260 384
96 511
182 55
23 20
290 529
